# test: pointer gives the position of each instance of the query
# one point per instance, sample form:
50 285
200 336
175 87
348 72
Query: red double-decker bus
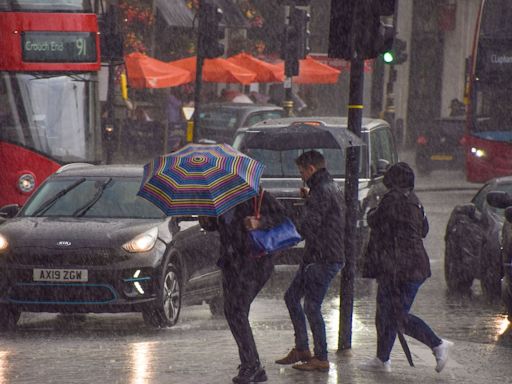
49 62
488 139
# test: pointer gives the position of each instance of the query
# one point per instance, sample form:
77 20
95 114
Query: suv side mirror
468 210
499 199
9 211
382 167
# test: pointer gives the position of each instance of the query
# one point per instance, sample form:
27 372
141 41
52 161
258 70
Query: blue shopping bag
266 241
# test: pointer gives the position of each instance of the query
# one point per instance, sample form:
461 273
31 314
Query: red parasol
312 71
218 70
265 72
146 72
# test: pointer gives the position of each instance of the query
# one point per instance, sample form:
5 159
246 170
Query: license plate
60 275
441 157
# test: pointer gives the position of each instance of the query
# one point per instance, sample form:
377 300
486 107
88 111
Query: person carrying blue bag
322 225
244 274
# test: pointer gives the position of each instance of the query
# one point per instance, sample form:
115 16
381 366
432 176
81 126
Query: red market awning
312 71
217 70
265 72
146 72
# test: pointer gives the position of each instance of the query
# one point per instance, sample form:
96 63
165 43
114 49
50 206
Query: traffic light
356 28
111 38
299 19
210 31
295 43
397 54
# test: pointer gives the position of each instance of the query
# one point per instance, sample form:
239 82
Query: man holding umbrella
243 274
221 186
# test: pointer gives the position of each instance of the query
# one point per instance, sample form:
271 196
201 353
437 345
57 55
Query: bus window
46 5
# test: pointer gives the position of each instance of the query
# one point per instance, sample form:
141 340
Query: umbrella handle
257 204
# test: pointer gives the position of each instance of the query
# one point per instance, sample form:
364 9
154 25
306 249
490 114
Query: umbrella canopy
146 72
312 71
199 179
301 135
265 72
218 70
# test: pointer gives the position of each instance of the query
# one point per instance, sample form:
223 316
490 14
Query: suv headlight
4 244
143 242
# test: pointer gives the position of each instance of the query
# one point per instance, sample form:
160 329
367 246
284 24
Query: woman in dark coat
402 266
244 274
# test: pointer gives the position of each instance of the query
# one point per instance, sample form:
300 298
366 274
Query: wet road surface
119 348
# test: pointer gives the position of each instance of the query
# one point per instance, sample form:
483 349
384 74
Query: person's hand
251 222
206 222
304 192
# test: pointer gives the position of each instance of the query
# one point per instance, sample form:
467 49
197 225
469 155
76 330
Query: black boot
250 374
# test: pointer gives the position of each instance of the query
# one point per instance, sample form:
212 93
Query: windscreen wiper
83 210
49 203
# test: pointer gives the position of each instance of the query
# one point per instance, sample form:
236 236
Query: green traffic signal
397 54
388 57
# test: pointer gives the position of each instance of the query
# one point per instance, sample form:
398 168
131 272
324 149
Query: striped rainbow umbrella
200 179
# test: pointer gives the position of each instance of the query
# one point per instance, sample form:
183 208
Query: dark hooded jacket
401 224
322 223
235 244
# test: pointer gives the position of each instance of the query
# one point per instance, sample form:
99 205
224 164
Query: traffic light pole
355 116
197 96
288 100
110 127
208 46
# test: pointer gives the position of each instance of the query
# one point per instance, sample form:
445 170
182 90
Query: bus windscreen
50 114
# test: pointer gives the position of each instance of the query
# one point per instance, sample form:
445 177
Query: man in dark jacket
322 225
244 274
403 265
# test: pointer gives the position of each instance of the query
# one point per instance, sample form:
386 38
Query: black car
274 143
441 145
503 200
472 241
219 121
85 242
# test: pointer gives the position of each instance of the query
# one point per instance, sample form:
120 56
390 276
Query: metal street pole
110 127
199 75
197 94
355 116
288 100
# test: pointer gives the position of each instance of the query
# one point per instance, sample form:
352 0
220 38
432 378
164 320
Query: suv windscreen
260 116
222 119
100 197
282 163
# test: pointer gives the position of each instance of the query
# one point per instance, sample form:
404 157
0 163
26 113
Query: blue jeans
393 304
311 283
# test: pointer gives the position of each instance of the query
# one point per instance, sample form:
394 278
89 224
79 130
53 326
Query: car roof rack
73 166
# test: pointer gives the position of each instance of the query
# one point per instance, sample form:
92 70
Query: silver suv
275 144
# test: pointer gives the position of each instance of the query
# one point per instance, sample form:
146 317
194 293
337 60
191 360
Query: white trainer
376 365
441 353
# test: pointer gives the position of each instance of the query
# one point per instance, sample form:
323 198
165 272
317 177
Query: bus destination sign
58 47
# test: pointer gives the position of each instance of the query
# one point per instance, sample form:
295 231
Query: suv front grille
59 258
47 293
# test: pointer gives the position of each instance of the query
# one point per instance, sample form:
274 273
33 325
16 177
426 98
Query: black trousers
240 287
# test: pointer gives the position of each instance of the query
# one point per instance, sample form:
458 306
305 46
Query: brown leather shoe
294 356
313 365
